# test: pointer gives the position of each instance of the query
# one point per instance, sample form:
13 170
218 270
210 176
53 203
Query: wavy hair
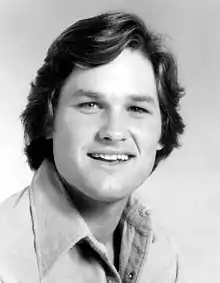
90 43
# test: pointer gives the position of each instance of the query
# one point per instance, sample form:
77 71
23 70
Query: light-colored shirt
43 238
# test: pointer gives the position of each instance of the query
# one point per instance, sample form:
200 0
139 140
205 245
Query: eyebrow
88 93
142 98
97 95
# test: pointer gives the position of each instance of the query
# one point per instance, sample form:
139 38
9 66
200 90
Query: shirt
44 239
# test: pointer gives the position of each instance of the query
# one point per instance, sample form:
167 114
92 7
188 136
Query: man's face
107 127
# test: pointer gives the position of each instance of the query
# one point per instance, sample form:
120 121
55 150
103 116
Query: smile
110 157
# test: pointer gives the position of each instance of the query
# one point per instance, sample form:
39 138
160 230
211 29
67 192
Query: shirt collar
57 224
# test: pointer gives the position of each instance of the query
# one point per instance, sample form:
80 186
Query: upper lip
111 152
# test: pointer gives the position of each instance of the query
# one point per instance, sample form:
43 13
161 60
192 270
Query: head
102 62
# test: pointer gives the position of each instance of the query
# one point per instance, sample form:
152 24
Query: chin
110 192
109 198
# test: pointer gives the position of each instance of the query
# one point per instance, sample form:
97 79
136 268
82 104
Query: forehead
131 73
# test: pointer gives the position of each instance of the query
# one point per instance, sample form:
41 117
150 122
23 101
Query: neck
101 217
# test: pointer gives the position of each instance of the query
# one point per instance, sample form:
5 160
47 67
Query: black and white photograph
110 136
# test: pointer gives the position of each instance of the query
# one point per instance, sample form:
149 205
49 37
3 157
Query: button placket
138 252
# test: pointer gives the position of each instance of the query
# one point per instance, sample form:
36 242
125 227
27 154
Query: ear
49 130
159 146
49 135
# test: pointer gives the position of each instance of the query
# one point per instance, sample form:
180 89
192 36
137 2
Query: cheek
149 147
148 136
72 132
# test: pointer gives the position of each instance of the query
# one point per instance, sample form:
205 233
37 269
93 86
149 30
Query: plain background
185 189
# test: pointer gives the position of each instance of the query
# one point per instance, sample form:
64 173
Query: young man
101 114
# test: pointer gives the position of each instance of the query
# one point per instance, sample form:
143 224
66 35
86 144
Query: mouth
111 158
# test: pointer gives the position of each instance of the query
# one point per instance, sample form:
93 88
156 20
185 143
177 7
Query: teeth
111 157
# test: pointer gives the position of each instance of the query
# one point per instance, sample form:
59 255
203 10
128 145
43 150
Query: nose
113 129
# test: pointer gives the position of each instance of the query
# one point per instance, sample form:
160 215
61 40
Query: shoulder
13 212
162 259
163 262
16 236
14 220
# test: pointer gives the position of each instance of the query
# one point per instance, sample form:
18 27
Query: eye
137 109
89 105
